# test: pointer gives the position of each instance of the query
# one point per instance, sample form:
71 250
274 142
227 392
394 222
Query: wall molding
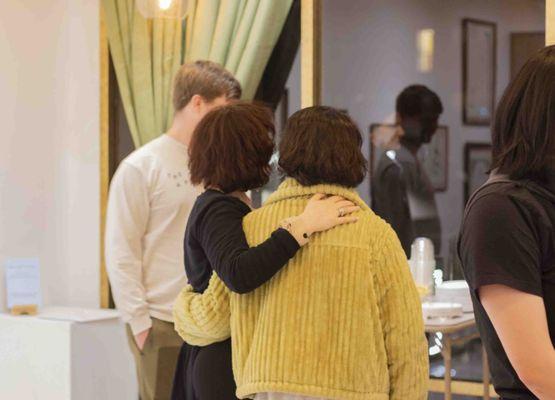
549 22
311 53
104 153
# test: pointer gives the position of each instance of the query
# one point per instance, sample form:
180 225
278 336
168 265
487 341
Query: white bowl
441 310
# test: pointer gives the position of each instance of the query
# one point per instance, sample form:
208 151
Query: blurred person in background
402 193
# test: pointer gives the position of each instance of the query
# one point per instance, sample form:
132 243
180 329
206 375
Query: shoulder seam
134 167
490 194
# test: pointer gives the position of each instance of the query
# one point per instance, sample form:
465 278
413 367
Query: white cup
422 262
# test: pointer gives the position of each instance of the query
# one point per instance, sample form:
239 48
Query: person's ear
197 102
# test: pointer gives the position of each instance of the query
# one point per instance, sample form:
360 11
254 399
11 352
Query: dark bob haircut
524 127
418 101
322 145
231 148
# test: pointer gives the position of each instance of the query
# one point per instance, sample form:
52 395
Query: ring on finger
341 212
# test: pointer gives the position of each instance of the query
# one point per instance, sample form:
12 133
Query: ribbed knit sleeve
403 325
203 319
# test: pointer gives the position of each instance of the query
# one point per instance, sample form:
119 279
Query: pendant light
172 9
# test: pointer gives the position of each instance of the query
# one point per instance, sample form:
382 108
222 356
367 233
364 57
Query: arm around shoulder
242 268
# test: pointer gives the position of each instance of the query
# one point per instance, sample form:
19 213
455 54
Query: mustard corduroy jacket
342 320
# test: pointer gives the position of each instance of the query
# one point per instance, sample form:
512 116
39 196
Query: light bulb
168 9
164 4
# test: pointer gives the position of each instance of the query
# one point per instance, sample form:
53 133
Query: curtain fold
272 84
239 34
146 54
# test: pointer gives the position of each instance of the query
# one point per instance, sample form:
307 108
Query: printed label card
23 293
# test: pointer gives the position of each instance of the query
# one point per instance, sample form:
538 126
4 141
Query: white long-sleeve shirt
149 203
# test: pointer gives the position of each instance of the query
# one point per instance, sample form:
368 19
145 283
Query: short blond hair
205 78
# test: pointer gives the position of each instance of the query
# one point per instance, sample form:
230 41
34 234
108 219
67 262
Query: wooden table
449 327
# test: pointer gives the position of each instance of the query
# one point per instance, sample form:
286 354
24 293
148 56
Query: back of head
418 109
418 101
231 148
206 79
322 145
524 127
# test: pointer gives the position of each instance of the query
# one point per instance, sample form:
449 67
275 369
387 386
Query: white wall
49 144
369 56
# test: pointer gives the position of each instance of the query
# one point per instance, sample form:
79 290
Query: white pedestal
63 359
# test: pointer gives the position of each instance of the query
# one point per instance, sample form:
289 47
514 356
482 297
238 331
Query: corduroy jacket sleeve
203 318
402 322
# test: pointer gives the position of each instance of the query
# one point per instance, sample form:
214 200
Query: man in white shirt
149 203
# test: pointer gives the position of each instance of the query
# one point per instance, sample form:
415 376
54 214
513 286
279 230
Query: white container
423 263
455 291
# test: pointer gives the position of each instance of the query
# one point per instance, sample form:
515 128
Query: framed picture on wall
479 71
477 163
523 46
434 157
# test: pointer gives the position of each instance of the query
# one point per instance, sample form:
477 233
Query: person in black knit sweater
229 154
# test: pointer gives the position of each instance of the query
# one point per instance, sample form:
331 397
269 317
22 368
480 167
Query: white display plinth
61 359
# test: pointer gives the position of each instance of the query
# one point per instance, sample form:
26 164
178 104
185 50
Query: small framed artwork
477 163
434 156
479 71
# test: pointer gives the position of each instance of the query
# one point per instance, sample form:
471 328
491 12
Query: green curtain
239 34
146 54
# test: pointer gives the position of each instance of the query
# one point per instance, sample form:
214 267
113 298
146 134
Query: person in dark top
229 154
402 193
507 242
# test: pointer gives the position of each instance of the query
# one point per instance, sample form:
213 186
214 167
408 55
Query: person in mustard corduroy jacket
343 319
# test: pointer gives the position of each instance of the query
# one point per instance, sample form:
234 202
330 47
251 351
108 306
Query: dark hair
231 148
418 101
322 145
205 78
524 126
